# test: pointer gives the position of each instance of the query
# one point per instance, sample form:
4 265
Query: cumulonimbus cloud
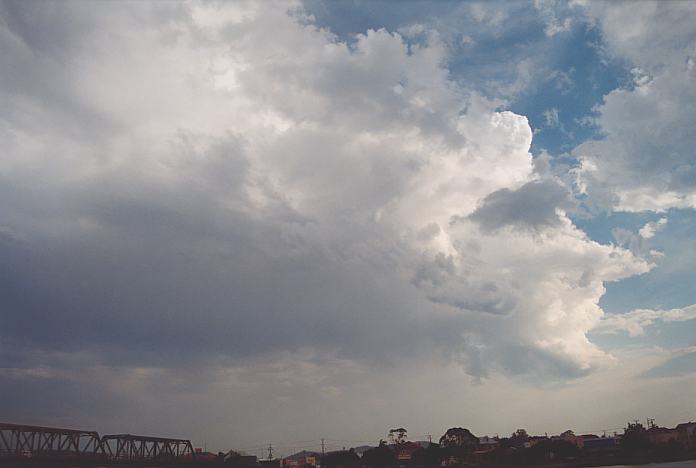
205 179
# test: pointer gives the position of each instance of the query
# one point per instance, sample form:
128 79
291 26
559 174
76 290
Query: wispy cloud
637 321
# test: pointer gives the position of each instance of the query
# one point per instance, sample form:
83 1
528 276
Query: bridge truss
136 448
48 447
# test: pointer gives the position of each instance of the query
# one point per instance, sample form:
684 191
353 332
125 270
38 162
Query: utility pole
322 452
430 439
270 451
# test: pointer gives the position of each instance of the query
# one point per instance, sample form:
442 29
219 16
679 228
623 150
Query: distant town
24 446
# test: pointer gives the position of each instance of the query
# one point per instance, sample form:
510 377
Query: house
584 438
487 444
600 443
686 433
662 435
404 452
533 440
577 440
269 463
239 460
360 450
300 459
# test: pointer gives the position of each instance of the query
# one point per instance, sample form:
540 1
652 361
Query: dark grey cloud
486 297
516 359
532 206
38 400
168 303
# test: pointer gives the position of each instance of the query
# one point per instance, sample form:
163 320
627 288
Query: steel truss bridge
48 447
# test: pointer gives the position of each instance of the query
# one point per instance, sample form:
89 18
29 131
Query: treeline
459 447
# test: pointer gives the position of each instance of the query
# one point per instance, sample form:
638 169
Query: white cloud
650 229
645 160
639 243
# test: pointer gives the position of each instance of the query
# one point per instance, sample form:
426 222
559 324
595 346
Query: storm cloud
230 193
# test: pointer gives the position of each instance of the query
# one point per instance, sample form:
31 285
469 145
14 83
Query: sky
247 223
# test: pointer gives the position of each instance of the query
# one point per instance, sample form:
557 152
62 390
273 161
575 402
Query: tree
458 444
519 437
635 437
380 457
398 436
429 457
458 437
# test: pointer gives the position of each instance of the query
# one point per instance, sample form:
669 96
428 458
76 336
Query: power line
297 443
353 441
589 431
